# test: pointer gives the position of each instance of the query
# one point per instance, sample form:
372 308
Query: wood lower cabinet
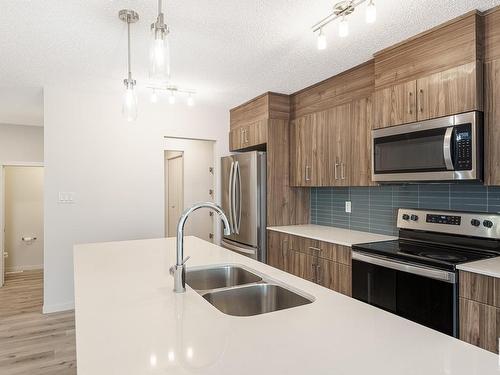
320 262
479 310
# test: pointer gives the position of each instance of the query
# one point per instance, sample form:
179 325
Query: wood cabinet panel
492 34
269 105
492 122
277 247
395 105
479 324
454 43
451 91
479 288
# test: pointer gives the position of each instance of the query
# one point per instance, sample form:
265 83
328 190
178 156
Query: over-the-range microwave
443 149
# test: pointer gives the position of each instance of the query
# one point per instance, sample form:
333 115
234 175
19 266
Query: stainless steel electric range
415 276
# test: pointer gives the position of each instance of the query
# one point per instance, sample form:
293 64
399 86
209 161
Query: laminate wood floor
30 342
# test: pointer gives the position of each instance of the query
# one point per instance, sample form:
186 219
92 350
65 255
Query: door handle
447 148
410 94
335 171
246 135
238 222
342 171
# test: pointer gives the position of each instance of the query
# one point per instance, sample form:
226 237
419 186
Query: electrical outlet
348 207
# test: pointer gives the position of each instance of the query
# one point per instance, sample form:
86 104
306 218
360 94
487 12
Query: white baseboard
59 307
24 268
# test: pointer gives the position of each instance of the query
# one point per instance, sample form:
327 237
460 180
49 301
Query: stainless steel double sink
237 291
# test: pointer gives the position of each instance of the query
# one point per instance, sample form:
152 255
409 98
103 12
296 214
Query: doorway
21 209
189 179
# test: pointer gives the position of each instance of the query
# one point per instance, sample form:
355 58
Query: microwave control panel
463 147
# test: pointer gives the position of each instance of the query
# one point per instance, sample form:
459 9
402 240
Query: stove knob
475 222
414 217
488 223
406 217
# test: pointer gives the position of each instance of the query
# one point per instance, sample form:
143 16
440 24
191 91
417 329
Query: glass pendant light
129 108
321 40
159 68
371 12
343 28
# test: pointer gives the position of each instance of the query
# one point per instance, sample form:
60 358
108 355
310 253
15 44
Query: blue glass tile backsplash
374 208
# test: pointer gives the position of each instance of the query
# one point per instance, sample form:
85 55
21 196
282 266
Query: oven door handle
447 148
431 273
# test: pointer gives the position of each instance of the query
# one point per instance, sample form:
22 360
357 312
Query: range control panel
462 223
443 219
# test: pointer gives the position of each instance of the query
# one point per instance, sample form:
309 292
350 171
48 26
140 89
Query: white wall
115 169
23 217
19 143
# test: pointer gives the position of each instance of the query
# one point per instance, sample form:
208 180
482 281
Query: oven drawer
426 300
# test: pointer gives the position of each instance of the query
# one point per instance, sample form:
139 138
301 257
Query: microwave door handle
447 148
231 178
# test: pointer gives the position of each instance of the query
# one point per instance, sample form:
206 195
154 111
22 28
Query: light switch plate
348 207
66 197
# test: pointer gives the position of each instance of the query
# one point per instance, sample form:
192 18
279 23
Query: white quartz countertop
335 235
130 322
488 267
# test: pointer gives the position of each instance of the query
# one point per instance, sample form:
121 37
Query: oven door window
410 152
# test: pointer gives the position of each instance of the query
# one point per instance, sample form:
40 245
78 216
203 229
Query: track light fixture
342 10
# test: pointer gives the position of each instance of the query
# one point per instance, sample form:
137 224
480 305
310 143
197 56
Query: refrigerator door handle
231 173
233 198
238 218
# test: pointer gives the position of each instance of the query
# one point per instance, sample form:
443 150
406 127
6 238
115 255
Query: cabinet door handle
246 135
410 94
308 176
342 171
335 170
421 101
315 249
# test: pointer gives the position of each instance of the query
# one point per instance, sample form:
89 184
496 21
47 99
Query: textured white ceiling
229 50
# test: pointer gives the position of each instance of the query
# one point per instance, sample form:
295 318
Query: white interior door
175 189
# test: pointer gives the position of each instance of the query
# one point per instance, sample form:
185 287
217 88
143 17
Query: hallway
30 342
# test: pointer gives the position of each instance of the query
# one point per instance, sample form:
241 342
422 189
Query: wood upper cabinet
249 122
449 92
395 105
452 91
360 147
479 310
320 148
309 143
492 122
339 156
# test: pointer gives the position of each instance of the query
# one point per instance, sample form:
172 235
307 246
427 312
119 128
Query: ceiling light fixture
159 68
130 96
174 91
342 10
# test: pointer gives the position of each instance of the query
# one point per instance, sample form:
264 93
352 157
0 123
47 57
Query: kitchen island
129 321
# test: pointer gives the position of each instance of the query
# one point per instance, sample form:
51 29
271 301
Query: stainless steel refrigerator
244 202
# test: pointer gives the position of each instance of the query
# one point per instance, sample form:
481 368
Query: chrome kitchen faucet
178 270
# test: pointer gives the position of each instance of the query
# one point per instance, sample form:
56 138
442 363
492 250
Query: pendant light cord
128 43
